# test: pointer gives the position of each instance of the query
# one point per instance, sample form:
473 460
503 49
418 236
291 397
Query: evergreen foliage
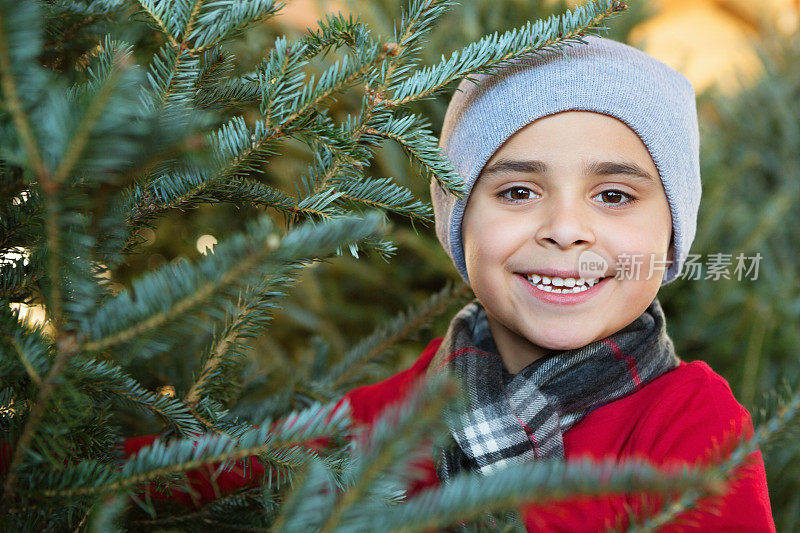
119 113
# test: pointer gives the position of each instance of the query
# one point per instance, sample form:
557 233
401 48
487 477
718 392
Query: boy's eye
517 194
615 197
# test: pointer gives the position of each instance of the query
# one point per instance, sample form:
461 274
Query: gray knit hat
605 76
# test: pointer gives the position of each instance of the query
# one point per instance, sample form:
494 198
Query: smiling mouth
562 285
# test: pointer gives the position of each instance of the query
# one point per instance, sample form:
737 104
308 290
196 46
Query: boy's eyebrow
509 165
596 168
609 168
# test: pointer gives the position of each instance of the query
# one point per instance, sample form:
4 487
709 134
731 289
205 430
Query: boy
584 185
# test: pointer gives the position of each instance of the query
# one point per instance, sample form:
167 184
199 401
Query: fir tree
116 113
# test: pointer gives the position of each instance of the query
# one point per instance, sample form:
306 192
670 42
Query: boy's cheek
493 240
477 230
646 255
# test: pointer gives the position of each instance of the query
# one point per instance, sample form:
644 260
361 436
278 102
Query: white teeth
562 285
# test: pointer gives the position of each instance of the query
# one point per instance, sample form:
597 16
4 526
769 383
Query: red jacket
677 417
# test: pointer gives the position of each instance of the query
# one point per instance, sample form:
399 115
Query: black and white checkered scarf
509 419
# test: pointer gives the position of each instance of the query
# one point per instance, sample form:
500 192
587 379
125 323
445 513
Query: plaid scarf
509 419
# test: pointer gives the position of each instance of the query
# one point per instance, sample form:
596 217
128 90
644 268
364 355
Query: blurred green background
744 59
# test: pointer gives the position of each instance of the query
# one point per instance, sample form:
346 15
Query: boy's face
547 195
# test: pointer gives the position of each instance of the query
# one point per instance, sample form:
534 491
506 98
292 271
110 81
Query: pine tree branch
240 13
17 221
279 78
66 345
53 236
239 149
392 332
412 133
281 445
334 31
70 22
375 101
216 67
332 81
275 456
174 74
331 88
420 20
408 422
309 500
467 497
14 105
197 4
120 61
382 194
372 102
82 522
305 103
536 38
379 205
103 377
191 189
248 315
30 344
242 258
28 16
310 393
206 422
228 18
148 8
202 512
180 307
216 357
23 357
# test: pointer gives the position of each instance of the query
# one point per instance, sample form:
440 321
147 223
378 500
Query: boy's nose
564 225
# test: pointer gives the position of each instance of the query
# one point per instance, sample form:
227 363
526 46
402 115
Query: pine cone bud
391 49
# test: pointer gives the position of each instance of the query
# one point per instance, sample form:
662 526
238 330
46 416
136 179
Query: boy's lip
564 298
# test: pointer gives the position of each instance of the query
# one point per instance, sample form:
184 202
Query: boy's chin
562 343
